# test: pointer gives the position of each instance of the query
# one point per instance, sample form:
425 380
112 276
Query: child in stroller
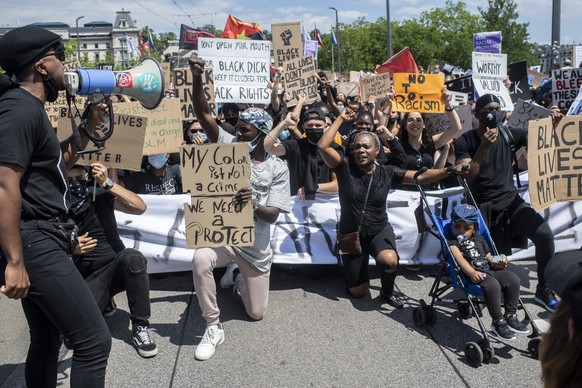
474 257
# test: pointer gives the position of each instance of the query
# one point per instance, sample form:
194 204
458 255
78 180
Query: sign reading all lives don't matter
213 174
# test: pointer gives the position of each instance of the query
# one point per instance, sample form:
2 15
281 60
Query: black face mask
231 120
52 91
79 192
314 134
490 119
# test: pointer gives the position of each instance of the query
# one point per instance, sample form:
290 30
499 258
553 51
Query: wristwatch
449 108
108 184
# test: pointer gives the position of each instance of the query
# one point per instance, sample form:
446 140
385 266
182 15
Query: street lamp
337 38
78 45
388 40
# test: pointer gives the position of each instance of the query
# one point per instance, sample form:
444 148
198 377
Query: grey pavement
313 335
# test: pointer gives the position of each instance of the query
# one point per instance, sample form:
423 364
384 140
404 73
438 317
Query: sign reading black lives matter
183 91
213 173
554 161
489 70
241 68
287 42
299 76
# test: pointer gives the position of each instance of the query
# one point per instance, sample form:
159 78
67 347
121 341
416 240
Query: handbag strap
366 201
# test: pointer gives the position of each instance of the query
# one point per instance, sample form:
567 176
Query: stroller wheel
488 355
533 346
419 316
474 353
431 315
464 309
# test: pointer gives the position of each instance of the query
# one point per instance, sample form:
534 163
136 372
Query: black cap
313 114
22 46
564 276
484 100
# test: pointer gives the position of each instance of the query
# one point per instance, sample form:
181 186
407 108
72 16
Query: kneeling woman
363 181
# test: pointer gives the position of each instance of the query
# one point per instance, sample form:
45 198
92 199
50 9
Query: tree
501 15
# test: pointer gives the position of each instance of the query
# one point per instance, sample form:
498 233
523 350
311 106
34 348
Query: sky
167 15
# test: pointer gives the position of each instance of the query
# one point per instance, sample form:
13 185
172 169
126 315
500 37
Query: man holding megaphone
35 237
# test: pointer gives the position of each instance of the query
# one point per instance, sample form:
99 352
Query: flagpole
332 59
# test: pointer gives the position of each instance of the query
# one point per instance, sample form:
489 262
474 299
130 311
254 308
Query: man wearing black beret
35 237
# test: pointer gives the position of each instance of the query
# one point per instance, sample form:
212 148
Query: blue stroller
471 305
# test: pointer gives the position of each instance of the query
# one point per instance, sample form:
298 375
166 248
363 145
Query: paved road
312 336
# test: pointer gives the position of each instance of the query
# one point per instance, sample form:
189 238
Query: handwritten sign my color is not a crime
183 89
555 161
418 92
213 173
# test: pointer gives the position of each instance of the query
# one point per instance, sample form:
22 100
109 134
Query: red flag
237 29
403 62
144 47
318 38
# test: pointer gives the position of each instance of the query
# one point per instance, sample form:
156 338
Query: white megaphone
145 82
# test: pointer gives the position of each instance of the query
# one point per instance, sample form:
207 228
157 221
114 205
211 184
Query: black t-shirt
353 185
474 248
298 154
103 206
28 140
424 157
144 182
495 180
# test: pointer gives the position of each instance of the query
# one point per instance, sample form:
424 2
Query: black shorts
356 266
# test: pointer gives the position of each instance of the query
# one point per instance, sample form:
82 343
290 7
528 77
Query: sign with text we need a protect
241 68
489 70
554 161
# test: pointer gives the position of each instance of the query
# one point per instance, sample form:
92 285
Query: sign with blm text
374 86
554 161
164 125
287 42
241 68
213 173
565 86
418 92
524 111
183 91
299 76
122 150
489 70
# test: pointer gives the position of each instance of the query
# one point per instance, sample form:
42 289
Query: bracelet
449 108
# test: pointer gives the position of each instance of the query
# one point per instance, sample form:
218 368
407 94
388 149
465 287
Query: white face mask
157 161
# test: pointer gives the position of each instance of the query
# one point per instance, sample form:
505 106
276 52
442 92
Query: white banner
241 68
489 70
307 234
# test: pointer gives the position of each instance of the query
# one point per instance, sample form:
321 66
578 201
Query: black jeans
496 283
126 271
59 301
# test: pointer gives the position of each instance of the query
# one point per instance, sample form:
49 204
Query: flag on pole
237 29
403 62
318 38
333 39
131 47
143 46
151 41
189 37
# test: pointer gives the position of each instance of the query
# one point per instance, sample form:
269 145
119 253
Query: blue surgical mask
284 135
157 161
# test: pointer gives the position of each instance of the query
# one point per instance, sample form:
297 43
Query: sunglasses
59 53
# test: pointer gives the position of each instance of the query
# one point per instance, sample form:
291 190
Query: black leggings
496 283
59 301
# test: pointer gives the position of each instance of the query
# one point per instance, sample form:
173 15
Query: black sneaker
394 299
502 331
110 309
516 325
546 298
144 344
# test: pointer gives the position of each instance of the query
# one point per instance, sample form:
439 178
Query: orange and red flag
237 29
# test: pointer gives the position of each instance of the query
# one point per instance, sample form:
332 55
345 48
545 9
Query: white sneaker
227 279
213 336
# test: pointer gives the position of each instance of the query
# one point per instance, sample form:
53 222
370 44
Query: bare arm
201 108
275 102
455 123
266 213
295 132
125 201
330 156
271 142
467 269
17 282
433 175
441 155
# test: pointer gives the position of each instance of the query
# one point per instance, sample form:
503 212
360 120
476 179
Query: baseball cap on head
313 114
22 46
466 213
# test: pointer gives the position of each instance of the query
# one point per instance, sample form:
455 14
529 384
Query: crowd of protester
336 144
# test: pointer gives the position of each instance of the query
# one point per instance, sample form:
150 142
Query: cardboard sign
299 76
167 74
53 109
123 149
458 99
349 89
537 78
576 107
566 83
241 69
217 222
418 92
487 42
489 70
525 111
164 125
183 91
555 161
461 85
374 86
215 169
437 123
519 88
355 76
287 42
213 173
